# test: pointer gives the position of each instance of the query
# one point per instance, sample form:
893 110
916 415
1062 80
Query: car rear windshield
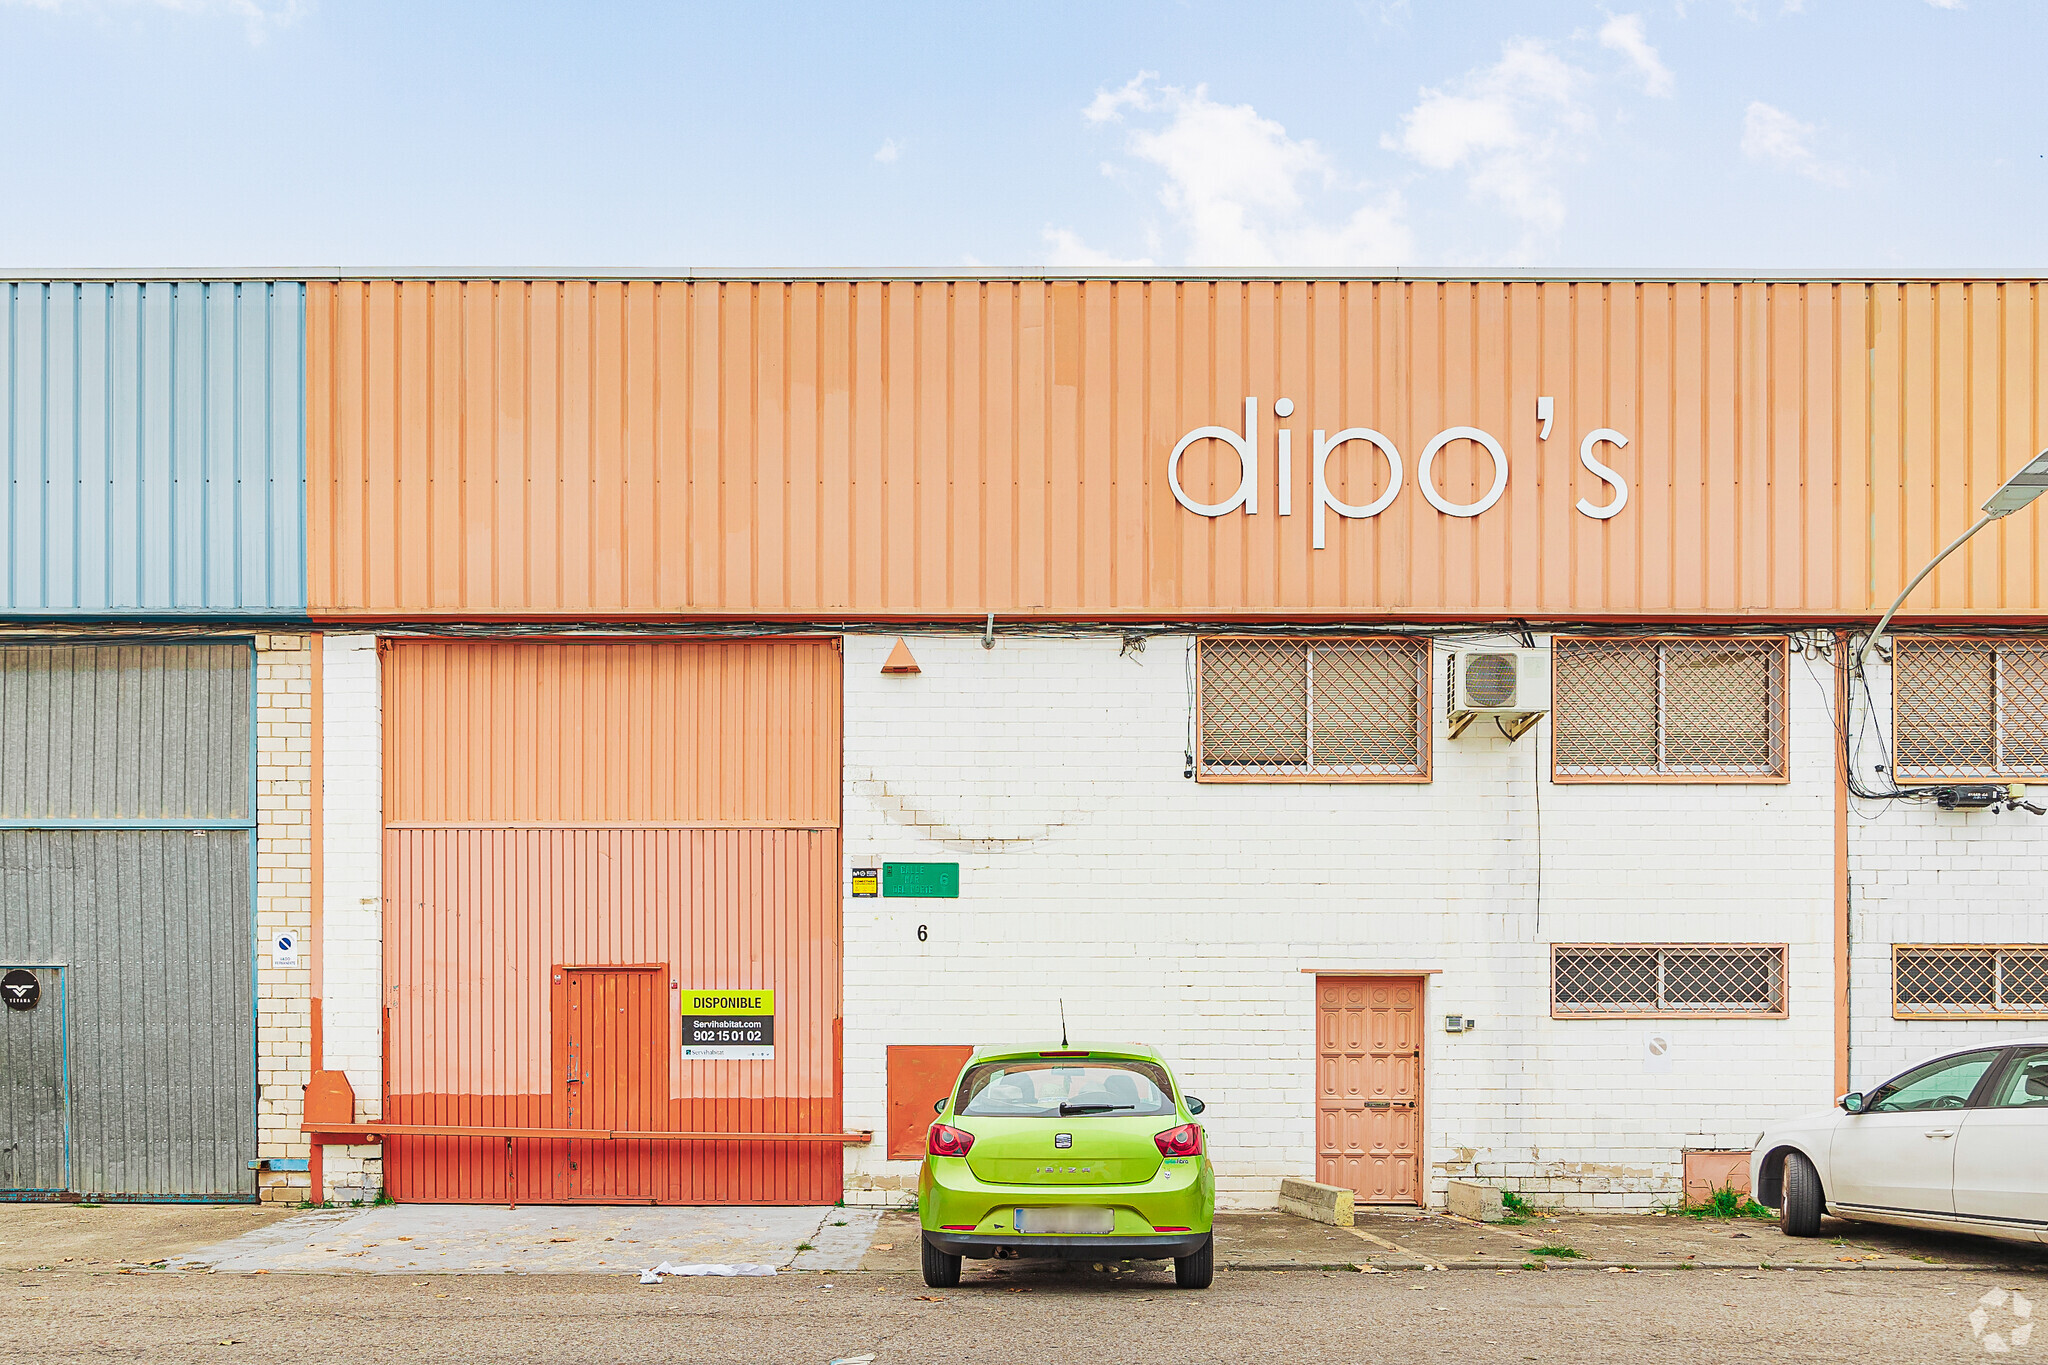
1065 1087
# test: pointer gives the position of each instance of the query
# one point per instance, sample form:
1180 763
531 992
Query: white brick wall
284 900
352 939
1184 914
1919 874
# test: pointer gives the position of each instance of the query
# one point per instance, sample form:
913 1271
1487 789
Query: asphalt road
1033 1312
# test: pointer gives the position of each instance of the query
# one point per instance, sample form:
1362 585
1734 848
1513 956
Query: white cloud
1506 126
1773 136
1064 247
888 151
1241 192
1946 4
258 16
1109 105
1443 130
1624 33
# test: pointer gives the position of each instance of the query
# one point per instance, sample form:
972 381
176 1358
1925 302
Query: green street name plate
931 880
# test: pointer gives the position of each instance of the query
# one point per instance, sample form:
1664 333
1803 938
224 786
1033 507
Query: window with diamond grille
1616 980
1987 981
1970 707
1277 709
1667 709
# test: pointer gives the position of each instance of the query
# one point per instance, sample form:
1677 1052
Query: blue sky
1830 136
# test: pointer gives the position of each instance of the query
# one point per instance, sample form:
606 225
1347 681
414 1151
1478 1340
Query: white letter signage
1598 470
1246 444
1326 499
1247 448
1428 484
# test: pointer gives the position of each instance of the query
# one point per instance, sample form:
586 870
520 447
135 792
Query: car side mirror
1852 1103
1195 1106
939 1106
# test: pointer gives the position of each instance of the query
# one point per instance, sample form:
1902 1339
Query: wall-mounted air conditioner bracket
1513 724
1517 726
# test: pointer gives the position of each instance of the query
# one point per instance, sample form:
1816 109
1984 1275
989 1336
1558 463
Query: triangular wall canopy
900 660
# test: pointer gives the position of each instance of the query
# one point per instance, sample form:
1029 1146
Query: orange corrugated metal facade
575 833
748 449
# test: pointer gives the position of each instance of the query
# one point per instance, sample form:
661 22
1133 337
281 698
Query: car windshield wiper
1066 1108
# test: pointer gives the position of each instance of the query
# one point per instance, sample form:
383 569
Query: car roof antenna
1063 1021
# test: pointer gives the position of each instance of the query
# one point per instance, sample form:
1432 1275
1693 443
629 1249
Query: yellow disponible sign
728 1025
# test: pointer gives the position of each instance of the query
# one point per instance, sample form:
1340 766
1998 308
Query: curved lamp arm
2026 484
1870 645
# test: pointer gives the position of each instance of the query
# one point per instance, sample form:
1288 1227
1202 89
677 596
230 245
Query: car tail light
1185 1140
948 1141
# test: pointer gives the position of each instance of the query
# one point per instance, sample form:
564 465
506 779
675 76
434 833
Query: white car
1958 1143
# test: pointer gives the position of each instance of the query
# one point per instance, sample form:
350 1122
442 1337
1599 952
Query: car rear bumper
1110 1246
1175 1208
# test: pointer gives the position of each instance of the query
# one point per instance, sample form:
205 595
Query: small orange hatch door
611 1057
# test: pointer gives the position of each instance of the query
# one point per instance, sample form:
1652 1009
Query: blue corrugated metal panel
154 438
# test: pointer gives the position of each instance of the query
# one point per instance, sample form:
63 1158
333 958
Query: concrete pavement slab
411 1239
1386 1239
894 1244
841 1241
1671 1239
1243 1241
113 1236
423 1238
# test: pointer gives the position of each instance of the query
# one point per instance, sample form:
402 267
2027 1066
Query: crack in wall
903 809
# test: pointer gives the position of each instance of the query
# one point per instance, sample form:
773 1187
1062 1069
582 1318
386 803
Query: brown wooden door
613 1045
1369 1086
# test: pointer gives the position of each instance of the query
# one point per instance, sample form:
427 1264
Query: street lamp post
2016 492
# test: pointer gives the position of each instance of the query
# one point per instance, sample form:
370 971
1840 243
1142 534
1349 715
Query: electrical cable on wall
1944 794
1447 632
1536 791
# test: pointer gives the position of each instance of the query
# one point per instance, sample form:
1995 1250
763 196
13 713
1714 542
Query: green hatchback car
1089 1153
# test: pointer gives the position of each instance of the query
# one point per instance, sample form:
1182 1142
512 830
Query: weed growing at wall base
1725 1202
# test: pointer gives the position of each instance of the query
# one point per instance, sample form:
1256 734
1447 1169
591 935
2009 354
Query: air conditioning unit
1512 686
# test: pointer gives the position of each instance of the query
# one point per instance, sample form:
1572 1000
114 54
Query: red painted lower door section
1369 1086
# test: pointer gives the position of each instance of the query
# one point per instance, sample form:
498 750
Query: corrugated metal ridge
717 625
246 618
687 274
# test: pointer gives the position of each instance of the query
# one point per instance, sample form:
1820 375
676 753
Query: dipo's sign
1366 441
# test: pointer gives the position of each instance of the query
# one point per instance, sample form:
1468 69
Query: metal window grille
1629 980
1988 981
1970 707
1288 709
1668 708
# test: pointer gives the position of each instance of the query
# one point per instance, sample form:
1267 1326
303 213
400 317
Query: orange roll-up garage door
579 837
